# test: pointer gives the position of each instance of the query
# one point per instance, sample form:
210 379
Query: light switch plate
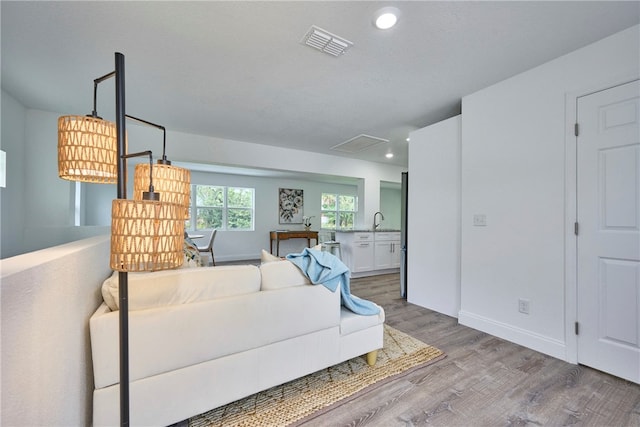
479 220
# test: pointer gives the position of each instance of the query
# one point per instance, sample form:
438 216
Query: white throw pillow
107 294
278 275
267 257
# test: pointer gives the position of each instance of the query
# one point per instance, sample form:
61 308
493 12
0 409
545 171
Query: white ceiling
238 70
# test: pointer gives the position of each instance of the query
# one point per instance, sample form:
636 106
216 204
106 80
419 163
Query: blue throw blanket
324 268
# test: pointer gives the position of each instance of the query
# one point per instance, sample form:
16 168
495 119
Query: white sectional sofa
203 337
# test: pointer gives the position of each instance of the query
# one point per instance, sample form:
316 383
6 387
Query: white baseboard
235 257
549 346
374 272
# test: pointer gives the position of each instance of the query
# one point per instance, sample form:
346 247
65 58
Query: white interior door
608 243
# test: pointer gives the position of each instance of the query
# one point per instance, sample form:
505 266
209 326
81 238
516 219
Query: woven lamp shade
87 149
146 235
173 184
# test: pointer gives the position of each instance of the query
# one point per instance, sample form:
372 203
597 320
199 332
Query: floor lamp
146 232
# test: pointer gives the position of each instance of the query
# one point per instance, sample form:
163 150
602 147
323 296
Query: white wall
36 205
47 299
96 202
513 171
433 252
12 196
390 200
44 218
203 149
49 198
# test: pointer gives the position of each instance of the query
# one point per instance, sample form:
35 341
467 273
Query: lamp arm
140 154
94 113
164 137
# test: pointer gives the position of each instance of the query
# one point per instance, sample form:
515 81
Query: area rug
290 402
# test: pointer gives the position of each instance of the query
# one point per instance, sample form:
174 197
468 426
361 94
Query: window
222 208
338 211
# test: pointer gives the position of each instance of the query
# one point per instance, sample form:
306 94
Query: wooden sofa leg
372 356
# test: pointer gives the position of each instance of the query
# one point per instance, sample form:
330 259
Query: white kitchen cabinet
362 256
387 250
357 250
368 251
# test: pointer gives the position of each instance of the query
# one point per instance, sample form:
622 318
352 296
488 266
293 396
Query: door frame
571 213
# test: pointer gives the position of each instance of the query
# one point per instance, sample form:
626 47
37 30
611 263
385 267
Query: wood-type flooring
483 381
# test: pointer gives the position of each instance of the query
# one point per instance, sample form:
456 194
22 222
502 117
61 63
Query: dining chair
209 247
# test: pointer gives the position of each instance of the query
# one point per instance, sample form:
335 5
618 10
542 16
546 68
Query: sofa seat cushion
351 322
171 287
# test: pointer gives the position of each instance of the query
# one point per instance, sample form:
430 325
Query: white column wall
433 253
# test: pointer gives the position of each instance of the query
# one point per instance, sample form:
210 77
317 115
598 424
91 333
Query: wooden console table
286 235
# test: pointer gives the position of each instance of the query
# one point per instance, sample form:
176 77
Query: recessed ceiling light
389 155
386 18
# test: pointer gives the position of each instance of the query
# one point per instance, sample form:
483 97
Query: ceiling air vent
326 42
359 143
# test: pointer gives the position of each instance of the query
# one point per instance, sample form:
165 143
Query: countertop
362 230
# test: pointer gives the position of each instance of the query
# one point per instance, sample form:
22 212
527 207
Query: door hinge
576 130
577 328
575 228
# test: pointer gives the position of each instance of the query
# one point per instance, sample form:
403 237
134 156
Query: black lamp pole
122 276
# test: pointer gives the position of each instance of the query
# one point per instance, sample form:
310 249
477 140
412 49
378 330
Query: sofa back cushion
163 340
281 274
171 287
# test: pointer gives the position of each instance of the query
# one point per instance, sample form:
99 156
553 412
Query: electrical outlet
523 305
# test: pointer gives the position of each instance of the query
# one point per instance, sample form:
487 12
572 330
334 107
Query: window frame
193 208
337 211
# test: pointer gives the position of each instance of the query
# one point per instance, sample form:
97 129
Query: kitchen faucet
374 220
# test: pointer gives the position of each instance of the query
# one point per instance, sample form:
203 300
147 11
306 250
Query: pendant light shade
173 184
146 235
87 149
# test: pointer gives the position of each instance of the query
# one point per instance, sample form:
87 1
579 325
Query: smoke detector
326 42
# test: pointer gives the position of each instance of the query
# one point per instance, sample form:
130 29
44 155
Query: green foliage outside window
210 196
329 202
209 218
240 197
328 220
347 203
240 208
346 220
239 219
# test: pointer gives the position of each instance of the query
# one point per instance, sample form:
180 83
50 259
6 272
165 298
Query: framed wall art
291 205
